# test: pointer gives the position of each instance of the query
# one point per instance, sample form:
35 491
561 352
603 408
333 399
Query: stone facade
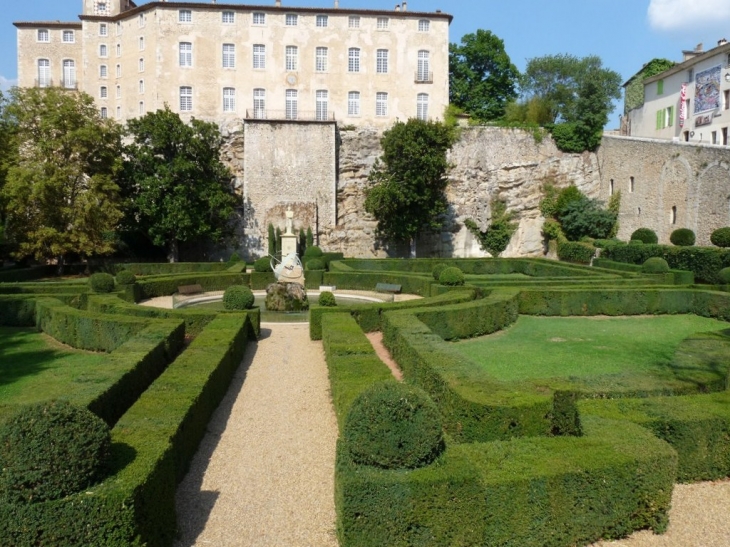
667 185
224 62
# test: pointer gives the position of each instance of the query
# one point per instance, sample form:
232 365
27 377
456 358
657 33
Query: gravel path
264 473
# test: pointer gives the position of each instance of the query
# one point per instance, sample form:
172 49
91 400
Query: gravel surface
698 518
264 473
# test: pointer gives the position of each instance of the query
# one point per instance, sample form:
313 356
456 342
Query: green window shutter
660 87
659 115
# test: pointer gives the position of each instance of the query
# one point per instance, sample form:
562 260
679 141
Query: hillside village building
224 62
690 102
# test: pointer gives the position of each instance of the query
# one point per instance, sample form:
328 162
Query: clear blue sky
624 33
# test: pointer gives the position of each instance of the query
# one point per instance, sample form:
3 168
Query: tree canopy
634 93
175 186
409 181
482 78
60 195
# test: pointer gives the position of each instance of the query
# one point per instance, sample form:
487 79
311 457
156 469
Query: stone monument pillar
289 239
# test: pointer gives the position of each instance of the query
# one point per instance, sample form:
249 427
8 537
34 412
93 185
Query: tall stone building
226 62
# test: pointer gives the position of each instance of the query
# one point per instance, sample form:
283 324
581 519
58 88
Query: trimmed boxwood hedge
531 492
645 235
575 251
136 504
167 285
167 268
682 237
17 310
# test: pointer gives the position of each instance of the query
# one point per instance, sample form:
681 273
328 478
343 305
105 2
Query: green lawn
34 367
607 354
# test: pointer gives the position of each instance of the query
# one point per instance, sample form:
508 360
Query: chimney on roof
337 4
698 48
721 42
277 3
405 6
397 7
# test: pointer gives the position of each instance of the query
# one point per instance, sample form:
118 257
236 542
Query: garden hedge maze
533 461
525 458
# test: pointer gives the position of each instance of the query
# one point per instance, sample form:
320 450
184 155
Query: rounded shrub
452 276
101 282
636 242
262 265
125 277
646 235
315 264
682 237
238 297
51 450
393 426
724 276
312 252
655 265
235 257
721 237
327 299
437 269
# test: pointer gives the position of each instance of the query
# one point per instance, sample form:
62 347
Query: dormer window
100 7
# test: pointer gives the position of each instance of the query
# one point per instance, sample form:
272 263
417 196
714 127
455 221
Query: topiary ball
125 277
327 299
235 257
312 252
655 265
51 450
724 276
393 426
315 264
262 265
437 269
646 235
452 276
721 237
238 297
682 237
101 282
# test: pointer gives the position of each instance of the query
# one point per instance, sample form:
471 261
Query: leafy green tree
482 78
271 240
407 195
60 194
634 90
586 217
500 231
175 185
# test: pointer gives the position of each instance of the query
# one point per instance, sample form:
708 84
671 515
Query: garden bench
190 289
388 287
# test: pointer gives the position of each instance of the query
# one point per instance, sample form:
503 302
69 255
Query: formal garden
544 402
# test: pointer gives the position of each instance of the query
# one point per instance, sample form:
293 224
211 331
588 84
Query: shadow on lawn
21 363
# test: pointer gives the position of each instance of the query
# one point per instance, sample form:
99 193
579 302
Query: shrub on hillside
327 299
721 237
437 269
262 265
312 252
393 426
315 264
125 277
238 297
682 237
452 276
51 450
646 235
655 265
101 282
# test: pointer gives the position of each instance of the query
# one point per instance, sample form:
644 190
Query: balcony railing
298 115
69 84
45 82
424 77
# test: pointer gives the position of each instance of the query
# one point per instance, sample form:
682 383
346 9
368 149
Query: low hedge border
13 275
84 330
152 446
166 268
410 283
167 285
675 277
369 316
531 492
261 280
351 360
17 310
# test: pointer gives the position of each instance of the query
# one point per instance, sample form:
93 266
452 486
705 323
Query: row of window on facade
291 105
68 74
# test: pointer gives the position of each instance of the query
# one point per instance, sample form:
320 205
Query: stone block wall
667 185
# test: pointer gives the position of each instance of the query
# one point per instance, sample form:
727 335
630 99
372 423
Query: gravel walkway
264 473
